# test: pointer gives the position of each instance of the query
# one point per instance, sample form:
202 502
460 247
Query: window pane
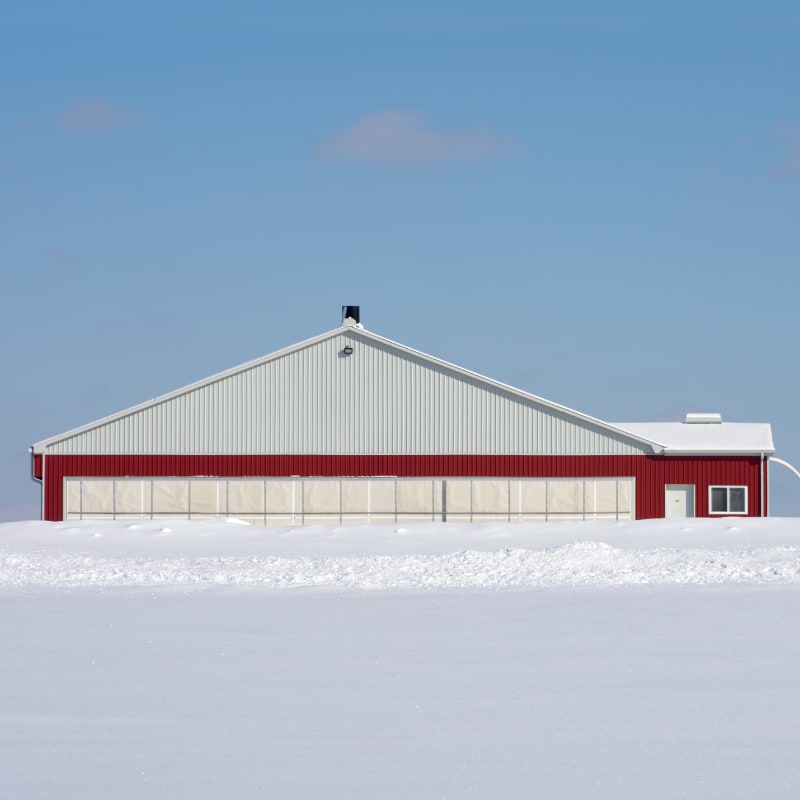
736 500
719 499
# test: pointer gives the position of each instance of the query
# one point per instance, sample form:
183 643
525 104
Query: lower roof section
723 438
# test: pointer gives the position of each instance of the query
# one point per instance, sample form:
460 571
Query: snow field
206 660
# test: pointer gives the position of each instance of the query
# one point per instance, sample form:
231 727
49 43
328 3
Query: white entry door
679 500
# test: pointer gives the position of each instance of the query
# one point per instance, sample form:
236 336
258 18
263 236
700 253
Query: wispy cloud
406 137
93 116
62 258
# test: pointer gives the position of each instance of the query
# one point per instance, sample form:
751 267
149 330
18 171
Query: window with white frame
727 499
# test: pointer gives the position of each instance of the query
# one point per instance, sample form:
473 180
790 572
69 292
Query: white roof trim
352 331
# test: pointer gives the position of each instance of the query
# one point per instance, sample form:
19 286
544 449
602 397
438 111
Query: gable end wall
317 401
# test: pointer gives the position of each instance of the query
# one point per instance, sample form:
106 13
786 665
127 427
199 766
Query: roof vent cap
703 419
351 316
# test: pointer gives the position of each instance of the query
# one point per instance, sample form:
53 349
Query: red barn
350 427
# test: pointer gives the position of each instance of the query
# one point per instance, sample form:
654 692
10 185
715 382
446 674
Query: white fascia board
720 453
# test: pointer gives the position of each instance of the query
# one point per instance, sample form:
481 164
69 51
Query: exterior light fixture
348 351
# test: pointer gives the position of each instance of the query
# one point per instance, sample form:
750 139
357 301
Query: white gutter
714 453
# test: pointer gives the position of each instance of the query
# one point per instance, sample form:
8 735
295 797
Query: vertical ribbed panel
379 399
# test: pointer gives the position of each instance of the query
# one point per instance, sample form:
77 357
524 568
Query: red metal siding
652 473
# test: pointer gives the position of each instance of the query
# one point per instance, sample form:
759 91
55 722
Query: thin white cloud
94 116
62 258
405 137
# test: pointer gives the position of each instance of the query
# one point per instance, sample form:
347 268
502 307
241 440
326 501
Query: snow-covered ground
209 659
414 557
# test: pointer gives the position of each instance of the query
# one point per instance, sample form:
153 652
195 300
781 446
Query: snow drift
428 556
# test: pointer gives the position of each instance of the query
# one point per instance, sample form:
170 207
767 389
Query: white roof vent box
703 419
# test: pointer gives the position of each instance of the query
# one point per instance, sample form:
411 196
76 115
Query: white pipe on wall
785 464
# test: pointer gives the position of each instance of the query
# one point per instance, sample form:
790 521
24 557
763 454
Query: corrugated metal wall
651 473
316 400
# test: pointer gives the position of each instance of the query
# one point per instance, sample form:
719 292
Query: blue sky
596 203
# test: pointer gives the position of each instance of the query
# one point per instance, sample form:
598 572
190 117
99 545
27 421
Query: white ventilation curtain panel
342 501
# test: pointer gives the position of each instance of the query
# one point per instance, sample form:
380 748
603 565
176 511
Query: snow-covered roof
680 438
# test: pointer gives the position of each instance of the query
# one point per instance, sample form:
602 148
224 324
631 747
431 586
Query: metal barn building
350 427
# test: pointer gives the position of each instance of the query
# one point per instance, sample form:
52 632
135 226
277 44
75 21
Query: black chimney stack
351 312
